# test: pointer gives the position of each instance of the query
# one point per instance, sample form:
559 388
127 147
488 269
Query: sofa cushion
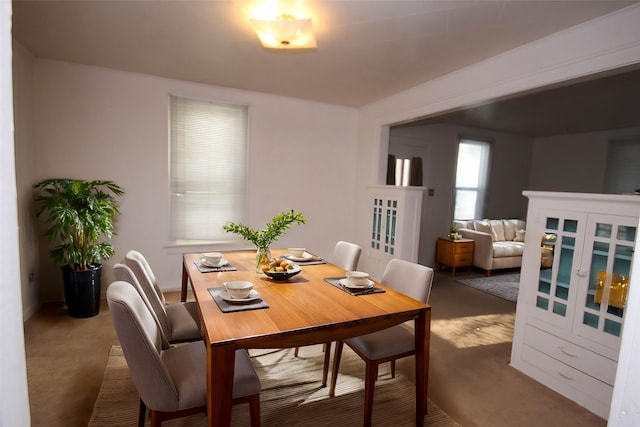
507 249
463 225
497 230
483 226
510 226
520 235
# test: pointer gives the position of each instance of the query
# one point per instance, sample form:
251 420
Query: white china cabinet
570 311
395 226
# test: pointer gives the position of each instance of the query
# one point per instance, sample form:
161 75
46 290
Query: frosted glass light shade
285 33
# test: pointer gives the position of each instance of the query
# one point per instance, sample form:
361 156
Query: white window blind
208 168
471 178
623 166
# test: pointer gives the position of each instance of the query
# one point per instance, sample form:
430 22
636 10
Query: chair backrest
346 255
123 273
140 338
138 263
411 279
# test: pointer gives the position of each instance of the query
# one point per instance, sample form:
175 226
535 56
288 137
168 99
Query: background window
623 166
207 168
471 178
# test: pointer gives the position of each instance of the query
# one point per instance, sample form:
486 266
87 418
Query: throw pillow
497 230
485 227
520 235
510 227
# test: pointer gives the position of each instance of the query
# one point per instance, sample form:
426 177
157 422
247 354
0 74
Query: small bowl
357 277
297 252
238 288
212 257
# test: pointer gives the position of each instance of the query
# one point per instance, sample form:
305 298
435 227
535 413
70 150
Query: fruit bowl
282 269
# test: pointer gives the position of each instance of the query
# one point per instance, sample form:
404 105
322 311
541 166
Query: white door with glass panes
604 273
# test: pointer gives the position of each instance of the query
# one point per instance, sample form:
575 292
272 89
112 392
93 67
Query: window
208 156
471 178
622 175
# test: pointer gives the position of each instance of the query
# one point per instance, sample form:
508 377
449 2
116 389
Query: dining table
308 308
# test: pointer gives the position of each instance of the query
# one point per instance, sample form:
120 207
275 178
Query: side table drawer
463 260
464 248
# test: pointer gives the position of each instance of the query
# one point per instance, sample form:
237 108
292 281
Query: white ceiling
367 49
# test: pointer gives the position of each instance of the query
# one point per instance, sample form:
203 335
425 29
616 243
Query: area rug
505 285
291 395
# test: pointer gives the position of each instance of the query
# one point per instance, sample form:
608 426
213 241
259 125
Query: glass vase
263 257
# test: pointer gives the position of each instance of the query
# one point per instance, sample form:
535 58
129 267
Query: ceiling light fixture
285 32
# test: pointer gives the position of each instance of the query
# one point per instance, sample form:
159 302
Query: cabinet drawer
582 359
464 248
578 386
463 260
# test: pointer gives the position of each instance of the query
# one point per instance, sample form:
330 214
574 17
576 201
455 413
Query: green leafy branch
263 238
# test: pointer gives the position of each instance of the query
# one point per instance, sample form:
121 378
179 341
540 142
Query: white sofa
499 243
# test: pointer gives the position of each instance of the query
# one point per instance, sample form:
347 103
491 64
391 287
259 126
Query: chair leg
325 367
295 352
369 387
156 418
254 410
393 368
142 413
336 366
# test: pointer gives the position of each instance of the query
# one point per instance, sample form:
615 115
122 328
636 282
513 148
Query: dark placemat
335 281
205 269
229 307
314 262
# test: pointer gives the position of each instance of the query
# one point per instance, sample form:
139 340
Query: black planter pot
82 291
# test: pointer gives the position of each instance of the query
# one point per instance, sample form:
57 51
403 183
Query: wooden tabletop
298 308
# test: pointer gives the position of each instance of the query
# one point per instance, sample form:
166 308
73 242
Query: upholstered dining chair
390 344
180 321
171 382
345 255
123 273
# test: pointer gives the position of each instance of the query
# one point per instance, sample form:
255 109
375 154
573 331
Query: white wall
96 123
509 174
25 176
573 162
14 396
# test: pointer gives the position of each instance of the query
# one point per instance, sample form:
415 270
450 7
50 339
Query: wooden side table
454 253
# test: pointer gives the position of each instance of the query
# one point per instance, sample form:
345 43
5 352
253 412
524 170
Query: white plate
253 295
347 284
220 263
305 257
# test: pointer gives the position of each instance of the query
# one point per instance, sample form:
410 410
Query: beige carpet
291 395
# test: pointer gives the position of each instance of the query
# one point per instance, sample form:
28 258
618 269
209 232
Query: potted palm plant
80 216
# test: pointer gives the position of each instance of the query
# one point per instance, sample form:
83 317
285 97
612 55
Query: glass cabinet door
609 248
560 248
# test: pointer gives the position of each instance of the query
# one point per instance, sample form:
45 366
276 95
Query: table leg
185 280
220 367
422 337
